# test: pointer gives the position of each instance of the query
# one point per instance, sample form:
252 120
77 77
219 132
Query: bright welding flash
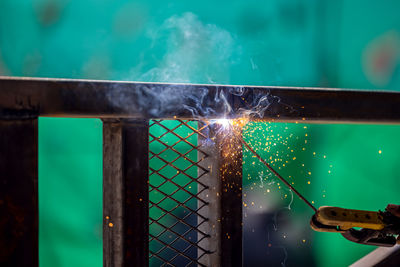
225 123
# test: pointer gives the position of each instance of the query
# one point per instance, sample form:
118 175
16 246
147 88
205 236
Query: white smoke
189 51
194 52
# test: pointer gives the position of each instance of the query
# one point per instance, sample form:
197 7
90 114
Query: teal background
292 43
70 192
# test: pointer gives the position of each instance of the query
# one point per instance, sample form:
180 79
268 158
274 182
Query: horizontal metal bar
27 97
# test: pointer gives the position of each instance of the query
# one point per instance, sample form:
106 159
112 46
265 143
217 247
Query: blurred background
345 44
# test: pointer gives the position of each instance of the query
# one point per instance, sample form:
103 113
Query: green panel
70 192
360 172
235 42
361 177
364 23
274 218
349 166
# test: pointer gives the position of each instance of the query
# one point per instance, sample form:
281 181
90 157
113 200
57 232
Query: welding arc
276 173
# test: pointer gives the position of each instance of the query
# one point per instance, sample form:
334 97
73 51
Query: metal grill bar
186 233
217 209
182 155
179 220
176 233
177 185
167 163
179 203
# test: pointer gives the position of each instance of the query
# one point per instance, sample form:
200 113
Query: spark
232 129
276 173
225 123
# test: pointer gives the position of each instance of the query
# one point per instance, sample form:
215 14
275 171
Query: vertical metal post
231 199
224 197
212 195
19 192
125 193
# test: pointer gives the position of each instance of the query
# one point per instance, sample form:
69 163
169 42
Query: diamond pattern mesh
174 190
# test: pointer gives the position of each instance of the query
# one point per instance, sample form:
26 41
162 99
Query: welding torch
377 228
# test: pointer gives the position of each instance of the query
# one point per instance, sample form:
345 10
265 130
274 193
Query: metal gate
195 217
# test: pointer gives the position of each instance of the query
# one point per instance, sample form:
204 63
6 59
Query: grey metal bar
125 193
19 192
224 195
212 211
380 257
113 197
107 99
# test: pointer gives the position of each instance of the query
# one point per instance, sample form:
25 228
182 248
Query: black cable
276 173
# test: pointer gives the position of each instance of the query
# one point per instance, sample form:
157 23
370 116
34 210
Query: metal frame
125 108
26 97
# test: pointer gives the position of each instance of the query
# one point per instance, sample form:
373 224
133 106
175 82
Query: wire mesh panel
175 194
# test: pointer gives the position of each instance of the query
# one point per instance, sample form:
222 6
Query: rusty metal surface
113 197
108 99
19 193
125 193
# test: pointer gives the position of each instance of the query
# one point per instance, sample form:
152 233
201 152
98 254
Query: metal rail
31 97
